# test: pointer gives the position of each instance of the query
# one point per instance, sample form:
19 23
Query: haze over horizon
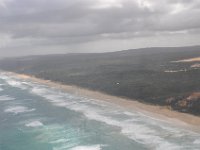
33 27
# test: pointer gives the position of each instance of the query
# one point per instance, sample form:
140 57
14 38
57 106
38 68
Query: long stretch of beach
159 112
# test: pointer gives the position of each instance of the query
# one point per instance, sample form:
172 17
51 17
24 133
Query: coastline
156 112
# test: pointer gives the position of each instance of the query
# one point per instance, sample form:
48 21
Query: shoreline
154 111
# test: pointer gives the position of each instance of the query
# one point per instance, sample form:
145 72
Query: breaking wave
137 126
6 98
34 124
153 133
18 109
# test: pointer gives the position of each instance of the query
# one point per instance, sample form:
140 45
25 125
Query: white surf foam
38 91
1 89
93 147
138 132
34 124
140 128
2 76
16 84
6 98
61 137
18 109
197 141
59 141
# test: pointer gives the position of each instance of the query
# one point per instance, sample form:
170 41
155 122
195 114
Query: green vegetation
136 74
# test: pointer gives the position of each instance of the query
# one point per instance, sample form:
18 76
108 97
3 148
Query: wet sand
159 112
196 59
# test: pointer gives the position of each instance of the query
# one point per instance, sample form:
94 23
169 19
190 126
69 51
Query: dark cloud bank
56 26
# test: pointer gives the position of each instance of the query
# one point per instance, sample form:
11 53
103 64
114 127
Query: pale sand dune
159 112
196 59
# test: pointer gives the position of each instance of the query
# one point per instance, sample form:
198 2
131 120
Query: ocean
34 116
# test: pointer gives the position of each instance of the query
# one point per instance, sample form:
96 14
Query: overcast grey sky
62 26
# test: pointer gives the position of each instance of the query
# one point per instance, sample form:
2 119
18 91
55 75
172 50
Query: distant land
166 76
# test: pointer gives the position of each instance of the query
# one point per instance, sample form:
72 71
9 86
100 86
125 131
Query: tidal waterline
34 116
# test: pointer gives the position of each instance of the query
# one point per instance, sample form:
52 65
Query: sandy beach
158 112
196 59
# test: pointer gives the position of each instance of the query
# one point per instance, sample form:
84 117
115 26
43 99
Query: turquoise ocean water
37 117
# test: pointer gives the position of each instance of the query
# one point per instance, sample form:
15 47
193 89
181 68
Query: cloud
37 24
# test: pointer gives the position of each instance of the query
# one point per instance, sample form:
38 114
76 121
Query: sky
32 27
